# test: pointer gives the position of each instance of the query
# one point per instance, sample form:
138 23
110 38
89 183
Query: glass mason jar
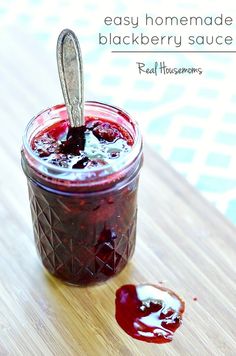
84 220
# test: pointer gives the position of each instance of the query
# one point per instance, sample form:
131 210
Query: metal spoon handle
69 61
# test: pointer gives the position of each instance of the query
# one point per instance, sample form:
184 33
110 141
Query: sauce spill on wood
149 312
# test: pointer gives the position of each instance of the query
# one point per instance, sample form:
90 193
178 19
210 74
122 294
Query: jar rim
124 163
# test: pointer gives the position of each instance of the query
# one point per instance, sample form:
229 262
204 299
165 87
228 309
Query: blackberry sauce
84 228
93 145
148 312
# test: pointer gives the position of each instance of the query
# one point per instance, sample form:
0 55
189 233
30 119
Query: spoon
69 61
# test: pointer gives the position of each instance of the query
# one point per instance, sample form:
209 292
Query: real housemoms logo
162 38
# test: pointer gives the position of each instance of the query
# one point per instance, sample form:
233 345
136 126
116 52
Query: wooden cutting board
182 241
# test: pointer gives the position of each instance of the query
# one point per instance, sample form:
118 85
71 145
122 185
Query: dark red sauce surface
93 145
149 312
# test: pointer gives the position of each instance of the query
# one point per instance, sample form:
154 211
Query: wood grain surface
182 241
